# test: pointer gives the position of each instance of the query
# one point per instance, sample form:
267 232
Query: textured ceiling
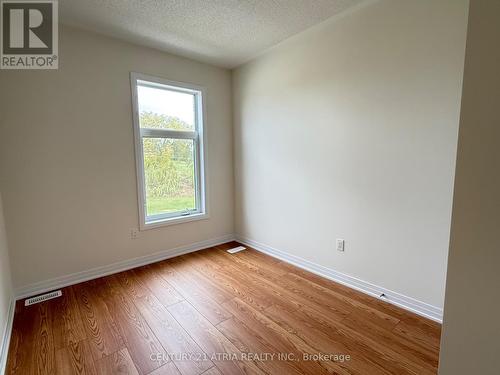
221 32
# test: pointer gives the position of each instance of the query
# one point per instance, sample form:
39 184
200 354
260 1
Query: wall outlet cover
340 244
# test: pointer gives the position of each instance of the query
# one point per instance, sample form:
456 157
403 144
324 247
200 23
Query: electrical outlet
340 244
134 233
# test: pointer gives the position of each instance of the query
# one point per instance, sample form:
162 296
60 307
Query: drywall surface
67 169
6 296
471 329
349 130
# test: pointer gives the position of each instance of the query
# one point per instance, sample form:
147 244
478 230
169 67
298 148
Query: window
168 130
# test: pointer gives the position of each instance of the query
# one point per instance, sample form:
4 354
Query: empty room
250 187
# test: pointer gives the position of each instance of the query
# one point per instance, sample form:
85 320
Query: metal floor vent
236 249
43 297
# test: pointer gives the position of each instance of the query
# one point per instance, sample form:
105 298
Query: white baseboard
75 278
5 338
408 303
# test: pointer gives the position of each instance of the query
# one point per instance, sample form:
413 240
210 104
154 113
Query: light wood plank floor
210 312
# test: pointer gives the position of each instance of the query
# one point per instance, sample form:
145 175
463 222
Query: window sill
173 221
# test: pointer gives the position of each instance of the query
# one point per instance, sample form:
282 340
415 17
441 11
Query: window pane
161 108
169 171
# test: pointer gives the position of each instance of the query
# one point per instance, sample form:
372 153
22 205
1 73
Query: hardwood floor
211 312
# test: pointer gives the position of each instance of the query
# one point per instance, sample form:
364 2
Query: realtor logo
29 37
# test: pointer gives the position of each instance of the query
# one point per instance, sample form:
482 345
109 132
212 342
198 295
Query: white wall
67 170
471 328
6 296
349 130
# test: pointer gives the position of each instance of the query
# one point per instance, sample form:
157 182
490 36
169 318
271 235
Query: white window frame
199 138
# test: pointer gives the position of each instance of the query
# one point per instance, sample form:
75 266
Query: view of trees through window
168 166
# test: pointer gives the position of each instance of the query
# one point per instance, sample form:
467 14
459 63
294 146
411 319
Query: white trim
159 82
408 303
173 220
94 273
7 332
198 136
165 133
